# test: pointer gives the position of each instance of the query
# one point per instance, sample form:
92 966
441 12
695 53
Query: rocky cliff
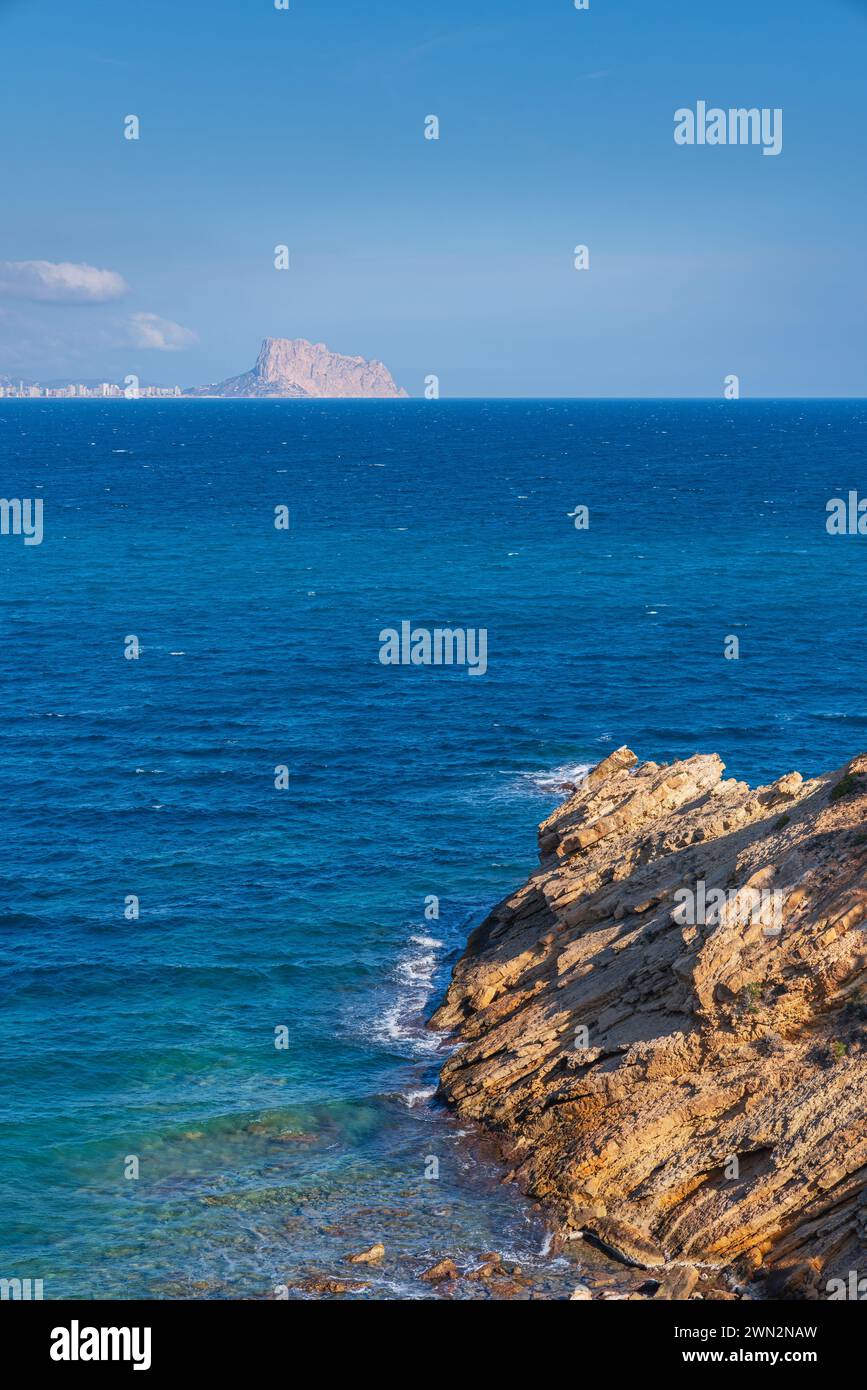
665 1027
296 369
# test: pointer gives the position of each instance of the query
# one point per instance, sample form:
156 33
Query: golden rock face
666 1026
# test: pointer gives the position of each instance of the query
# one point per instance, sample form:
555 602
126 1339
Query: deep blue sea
303 908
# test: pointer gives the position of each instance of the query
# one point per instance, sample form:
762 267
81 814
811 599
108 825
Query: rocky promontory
665 1026
295 369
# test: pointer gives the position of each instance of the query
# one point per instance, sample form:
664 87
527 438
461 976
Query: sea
240 854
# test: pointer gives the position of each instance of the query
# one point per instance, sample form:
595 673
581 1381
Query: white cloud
60 282
150 331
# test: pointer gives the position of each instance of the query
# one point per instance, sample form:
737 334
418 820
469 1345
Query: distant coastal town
106 390
288 368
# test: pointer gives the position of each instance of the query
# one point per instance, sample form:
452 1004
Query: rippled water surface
261 1168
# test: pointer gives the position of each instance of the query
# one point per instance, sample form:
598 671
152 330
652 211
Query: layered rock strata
665 1026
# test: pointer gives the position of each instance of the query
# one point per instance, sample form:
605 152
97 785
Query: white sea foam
556 781
403 1021
418 1097
417 970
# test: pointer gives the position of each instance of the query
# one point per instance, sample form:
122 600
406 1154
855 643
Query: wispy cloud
60 282
151 331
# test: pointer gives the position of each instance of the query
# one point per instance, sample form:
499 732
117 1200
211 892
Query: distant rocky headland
287 368
665 1027
296 369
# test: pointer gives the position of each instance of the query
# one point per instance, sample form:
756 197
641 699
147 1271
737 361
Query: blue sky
452 257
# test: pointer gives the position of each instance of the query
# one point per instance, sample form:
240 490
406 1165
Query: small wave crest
402 1024
418 1096
406 995
413 980
555 781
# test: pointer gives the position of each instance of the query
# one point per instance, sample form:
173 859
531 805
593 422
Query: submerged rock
368 1257
665 1026
445 1269
321 1284
678 1284
492 1268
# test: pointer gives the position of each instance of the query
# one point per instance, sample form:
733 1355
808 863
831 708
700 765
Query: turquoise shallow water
304 908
